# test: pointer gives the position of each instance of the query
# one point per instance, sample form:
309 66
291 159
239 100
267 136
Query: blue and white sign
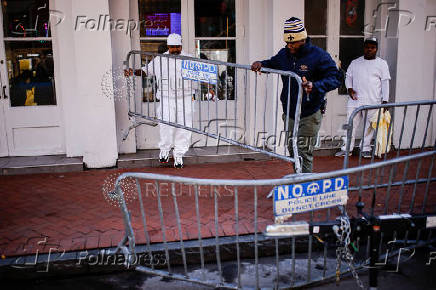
296 198
199 71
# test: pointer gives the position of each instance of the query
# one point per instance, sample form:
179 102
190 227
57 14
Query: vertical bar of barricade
179 227
264 108
216 110
374 138
199 110
238 257
296 124
147 83
169 89
176 90
255 110
134 86
162 93
245 105
276 113
387 140
256 250
208 109
192 95
162 224
235 101
287 116
129 91
153 89
350 125
197 211
126 217
360 179
183 99
144 221
217 241
226 98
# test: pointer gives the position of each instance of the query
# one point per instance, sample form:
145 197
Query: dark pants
307 134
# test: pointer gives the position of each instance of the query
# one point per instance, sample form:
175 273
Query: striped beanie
294 30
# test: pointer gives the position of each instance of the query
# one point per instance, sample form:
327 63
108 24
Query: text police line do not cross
296 198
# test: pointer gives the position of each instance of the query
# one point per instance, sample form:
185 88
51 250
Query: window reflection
30 72
352 17
23 18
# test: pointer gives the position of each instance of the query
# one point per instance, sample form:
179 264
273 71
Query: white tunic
169 77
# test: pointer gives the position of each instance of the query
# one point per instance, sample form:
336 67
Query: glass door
33 123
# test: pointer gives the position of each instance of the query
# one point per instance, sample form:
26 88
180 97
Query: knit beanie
294 30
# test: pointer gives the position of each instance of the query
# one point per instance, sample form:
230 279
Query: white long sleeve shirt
369 79
169 77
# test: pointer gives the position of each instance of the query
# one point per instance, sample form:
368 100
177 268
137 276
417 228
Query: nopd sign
199 71
296 198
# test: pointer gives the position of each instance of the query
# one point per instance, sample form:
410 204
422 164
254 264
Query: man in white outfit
367 82
175 101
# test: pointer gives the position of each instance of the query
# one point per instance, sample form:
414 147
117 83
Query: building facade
58 76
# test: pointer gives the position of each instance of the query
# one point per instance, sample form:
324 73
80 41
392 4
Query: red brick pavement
69 211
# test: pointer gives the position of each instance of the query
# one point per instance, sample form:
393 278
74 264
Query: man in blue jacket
319 75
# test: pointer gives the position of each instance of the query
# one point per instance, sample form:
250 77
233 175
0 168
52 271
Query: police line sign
297 198
199 71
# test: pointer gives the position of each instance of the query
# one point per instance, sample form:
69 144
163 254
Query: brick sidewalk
69 210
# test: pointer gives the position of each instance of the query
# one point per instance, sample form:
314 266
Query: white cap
174 39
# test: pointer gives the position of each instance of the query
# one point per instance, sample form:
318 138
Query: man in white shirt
367 82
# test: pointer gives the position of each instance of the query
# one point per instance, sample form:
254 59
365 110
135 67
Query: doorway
30 114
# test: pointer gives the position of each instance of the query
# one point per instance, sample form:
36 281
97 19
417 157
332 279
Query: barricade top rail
390 105
297 178
216 62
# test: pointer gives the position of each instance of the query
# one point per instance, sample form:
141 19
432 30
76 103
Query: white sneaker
164 156
178 162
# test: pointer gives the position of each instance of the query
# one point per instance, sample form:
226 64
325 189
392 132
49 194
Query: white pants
171 136
368 130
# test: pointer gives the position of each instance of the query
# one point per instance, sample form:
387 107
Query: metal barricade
213 98
221 239
411 131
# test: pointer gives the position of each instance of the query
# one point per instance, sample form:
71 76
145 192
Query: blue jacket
316 65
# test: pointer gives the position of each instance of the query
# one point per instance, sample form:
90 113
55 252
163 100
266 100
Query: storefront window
351 34
215 39
315 21
215 18
29 54
160 18
222 50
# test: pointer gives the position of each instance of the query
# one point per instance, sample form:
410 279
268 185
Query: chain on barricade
343 251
